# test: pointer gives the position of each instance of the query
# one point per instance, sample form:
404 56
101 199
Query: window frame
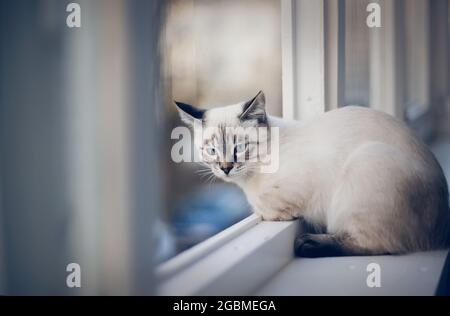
247 256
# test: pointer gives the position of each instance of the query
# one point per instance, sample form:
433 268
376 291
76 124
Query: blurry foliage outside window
213 53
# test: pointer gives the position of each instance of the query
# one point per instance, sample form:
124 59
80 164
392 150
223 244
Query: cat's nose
226 168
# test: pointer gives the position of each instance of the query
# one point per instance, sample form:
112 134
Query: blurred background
81 124
86 116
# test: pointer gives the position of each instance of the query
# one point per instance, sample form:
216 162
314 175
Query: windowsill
246 254
254 257
187 258
416 274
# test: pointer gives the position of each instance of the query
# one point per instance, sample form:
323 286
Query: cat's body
359 172
359 175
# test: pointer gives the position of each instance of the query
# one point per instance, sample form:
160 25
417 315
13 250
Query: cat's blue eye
240 148
211 151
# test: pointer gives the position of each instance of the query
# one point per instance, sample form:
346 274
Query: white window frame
313 39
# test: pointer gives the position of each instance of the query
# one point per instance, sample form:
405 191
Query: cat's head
229 139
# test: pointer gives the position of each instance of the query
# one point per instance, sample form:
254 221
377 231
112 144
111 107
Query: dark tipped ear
189 113
255 109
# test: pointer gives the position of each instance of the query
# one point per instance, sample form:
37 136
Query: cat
366 183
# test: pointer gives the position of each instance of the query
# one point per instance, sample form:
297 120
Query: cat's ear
189 114
255 109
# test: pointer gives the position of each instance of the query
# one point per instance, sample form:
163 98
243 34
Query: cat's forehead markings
222 131
210 140
227 115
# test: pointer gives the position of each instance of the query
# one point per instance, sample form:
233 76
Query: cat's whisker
203 164
209 181
213 181
206 175
203 171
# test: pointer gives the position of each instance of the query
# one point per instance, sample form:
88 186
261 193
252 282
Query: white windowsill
254 257
192 255
415 274
246 254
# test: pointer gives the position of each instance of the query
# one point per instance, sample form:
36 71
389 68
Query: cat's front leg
269 211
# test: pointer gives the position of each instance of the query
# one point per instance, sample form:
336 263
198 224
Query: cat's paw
272 218
314 246
304 245
277 217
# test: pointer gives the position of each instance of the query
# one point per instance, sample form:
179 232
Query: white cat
359 176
